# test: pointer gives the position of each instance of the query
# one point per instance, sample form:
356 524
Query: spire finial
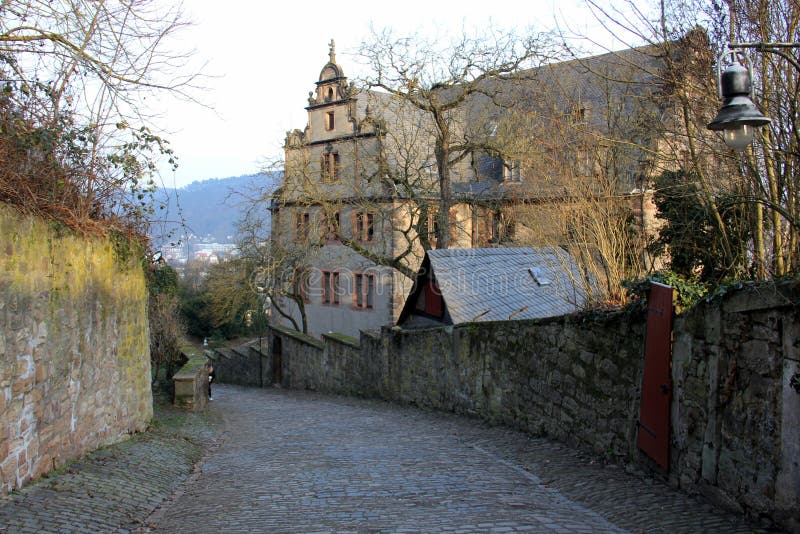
332 46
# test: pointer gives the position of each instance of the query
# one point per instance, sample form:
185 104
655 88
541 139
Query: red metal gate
656 382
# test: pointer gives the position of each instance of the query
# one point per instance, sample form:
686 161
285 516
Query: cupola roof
331 71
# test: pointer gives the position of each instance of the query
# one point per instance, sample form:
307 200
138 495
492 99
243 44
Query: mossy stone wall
74 346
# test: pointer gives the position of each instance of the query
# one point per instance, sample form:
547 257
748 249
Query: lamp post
263 315
738 117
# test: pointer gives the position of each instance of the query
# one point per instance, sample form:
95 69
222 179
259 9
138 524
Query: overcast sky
265 60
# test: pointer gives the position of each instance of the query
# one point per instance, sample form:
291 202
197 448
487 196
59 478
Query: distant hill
208 209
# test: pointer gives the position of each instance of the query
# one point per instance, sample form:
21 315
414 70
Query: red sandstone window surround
330 287
302 226
364 290
364 227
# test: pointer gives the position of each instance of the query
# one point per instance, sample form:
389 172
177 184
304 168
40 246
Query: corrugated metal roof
498 284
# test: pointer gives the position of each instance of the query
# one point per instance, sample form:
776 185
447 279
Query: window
431 167
364 291
583 162
364 227
329 167
329 121
580 113
332 228
330 287
492 227
329 94
499 227
431 226
302 226
511 171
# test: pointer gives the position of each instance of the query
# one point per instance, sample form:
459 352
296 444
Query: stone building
359 203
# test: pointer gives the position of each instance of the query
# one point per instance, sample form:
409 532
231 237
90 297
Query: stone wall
75 367
244 366
191 381
735 415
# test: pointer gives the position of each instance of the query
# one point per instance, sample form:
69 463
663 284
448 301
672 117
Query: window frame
512 171
364 226
302 223
333 225
330 165
331 287
364 287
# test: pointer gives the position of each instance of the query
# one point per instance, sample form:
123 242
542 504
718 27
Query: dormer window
329 94
329 121
511 171
580 114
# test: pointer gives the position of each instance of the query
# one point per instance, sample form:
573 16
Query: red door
433 299
656 381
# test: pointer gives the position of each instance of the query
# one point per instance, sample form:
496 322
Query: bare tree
581 136
80 70
437 80
276 265
756 188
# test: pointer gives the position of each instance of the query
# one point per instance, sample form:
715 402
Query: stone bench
191 381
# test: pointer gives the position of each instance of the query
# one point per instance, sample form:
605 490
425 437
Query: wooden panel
654 426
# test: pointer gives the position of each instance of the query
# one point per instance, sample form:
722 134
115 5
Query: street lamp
738 117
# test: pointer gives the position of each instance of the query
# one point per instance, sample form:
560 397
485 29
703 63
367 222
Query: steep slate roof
496 284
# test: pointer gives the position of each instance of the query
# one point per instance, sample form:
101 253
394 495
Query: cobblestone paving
115 488
302 462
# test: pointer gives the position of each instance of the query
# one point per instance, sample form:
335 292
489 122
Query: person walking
211 375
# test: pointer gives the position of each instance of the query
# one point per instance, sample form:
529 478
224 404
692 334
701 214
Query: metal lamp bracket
734 54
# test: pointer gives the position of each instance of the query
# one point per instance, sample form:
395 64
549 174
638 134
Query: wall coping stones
299 336
342 338
239 352
763 297
191 380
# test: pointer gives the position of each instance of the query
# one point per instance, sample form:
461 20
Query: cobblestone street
291 461
302 462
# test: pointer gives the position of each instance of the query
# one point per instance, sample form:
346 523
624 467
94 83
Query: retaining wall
191 381
74 340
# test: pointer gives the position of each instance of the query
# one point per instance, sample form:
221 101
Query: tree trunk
445 200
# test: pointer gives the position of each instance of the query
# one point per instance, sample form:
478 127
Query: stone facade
735 412
74 340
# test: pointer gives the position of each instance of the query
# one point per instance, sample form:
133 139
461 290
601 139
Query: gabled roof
499 284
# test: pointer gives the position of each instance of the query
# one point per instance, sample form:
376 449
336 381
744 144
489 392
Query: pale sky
265 59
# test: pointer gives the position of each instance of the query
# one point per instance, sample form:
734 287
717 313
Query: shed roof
498 284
